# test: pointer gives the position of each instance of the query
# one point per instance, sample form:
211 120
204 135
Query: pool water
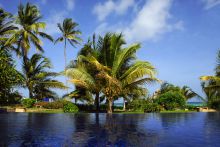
153 129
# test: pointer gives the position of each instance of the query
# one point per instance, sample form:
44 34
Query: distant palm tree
69 33
37 79
29 30
186 91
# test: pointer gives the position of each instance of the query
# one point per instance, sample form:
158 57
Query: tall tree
29 30
70 34
6 26
117 68
38 79
9 76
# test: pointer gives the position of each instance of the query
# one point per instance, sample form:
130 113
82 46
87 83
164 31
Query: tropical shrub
171 100
138 104
152 107
55 105
28 103
40 104
70 108
9 78
215 104
190 107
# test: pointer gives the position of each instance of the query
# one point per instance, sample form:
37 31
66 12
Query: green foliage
106 65
171 100
144 105
211 86
55 105
70 108
40 104
9 78
190 107
152 107
28 103
215 104
137 104
37 79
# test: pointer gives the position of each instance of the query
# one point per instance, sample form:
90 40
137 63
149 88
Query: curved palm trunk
97 101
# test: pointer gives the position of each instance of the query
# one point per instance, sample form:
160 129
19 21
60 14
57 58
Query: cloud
150 22
210 3
70 5
102 10
52 21
58 17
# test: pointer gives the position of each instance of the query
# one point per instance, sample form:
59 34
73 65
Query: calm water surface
51 130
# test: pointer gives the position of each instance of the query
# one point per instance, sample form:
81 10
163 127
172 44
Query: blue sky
180 38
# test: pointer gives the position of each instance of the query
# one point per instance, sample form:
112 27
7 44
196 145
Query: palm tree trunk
97 101
30 92
110 101
65 62
124 105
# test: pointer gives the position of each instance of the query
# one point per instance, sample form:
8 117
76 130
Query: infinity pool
159 129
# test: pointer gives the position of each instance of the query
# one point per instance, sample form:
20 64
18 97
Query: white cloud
52 21
150 22
210 3
105 9
57 17
70 5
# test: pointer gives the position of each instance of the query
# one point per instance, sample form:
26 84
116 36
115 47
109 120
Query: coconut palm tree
80 94
69 33
116 68
37 79
29 30
6 26
83 75
211 84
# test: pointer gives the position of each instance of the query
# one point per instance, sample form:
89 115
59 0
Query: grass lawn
43 110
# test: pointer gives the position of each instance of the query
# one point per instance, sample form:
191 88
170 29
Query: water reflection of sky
175 129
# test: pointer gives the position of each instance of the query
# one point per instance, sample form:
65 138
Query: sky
180 38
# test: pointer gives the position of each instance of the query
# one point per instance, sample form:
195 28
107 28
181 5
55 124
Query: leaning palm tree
37 79
69 33
30 29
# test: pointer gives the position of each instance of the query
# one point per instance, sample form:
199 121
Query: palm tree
29 30
186 91
70 34
6 26
116 68
80 94
211 84
37 79
83 75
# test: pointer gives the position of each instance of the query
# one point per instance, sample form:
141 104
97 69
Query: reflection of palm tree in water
104 130
170 120
211 127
